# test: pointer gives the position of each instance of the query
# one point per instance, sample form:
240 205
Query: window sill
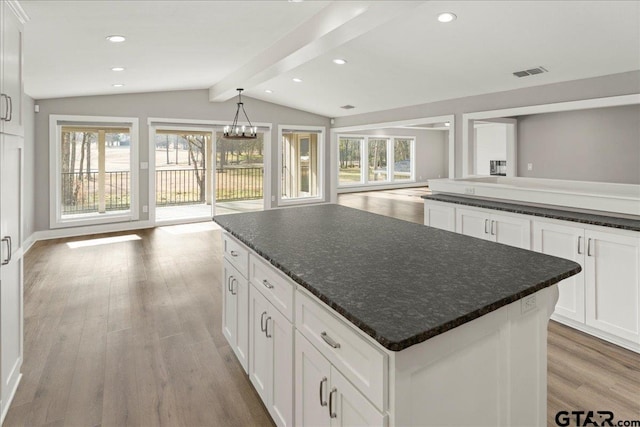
91 219
300 201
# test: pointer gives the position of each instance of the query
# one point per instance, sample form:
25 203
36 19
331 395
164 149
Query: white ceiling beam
333 26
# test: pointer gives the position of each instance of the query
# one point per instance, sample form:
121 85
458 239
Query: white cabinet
439 215
11 294
324 396
271 357
612 273
235 312
11 85
506 229
604 299
565 242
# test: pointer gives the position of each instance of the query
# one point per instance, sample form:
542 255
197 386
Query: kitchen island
342 316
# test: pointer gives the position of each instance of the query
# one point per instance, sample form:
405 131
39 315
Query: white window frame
319 198
55 146
364 160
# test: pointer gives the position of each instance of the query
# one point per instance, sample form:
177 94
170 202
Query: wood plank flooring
128 334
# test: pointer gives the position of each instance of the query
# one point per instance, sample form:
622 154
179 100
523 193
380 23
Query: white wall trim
88 230
215 123
585 104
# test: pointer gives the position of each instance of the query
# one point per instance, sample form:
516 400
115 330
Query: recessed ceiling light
339 61
268 90
117 85
116 39
117 69
297 80
446 17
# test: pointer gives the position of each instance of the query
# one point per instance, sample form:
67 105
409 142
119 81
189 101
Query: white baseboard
87 230
359 188
635 347
28 243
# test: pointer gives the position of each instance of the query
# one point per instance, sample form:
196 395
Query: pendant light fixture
236 131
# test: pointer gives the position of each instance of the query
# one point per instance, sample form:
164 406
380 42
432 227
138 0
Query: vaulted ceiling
397 52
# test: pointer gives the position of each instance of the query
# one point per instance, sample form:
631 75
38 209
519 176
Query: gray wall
432 153
29 159
188 104
598 87
601 144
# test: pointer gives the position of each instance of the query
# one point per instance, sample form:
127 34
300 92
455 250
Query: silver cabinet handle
267 284
493 231
10 108
229 283
486 221
6 105
579 241
7 240
332 413
322 381
234 253
329 340
266 327
234 281
589 247
262 327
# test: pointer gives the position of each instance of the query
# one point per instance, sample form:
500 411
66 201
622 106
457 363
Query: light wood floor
128 333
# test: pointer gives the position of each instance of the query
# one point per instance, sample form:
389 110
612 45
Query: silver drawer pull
263 328
266 327
486 221
332 412
267 284
329 340
234 254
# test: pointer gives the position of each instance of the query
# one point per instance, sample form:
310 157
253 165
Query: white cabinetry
271 357
565 242
507 229
235 312
439 215
11 86
11 163
324 396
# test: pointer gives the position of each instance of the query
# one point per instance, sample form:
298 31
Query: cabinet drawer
236 253
277 288
358 360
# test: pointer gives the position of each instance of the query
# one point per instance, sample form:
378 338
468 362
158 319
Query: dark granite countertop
584 218
400 282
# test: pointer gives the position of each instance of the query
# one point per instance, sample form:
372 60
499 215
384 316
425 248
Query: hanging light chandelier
236 131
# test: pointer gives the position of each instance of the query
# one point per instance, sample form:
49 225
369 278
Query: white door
11 269
279 333
510 231
260 350
11 102
612 265
312 385
473 223
348 407
564 242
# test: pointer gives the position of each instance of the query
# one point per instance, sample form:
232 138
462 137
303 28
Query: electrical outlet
528 303
529 166
469 190
145 209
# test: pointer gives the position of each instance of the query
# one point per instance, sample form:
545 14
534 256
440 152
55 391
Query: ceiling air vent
530 72
347 107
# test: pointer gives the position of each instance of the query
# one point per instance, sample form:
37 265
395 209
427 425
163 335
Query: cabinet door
260 351
11 311
312 384
472 223
235 312
511 231
11 102
439 216
348 407
279 333
612 281
564 242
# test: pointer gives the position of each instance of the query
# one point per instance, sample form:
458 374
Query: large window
388 159
92 159
300 164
